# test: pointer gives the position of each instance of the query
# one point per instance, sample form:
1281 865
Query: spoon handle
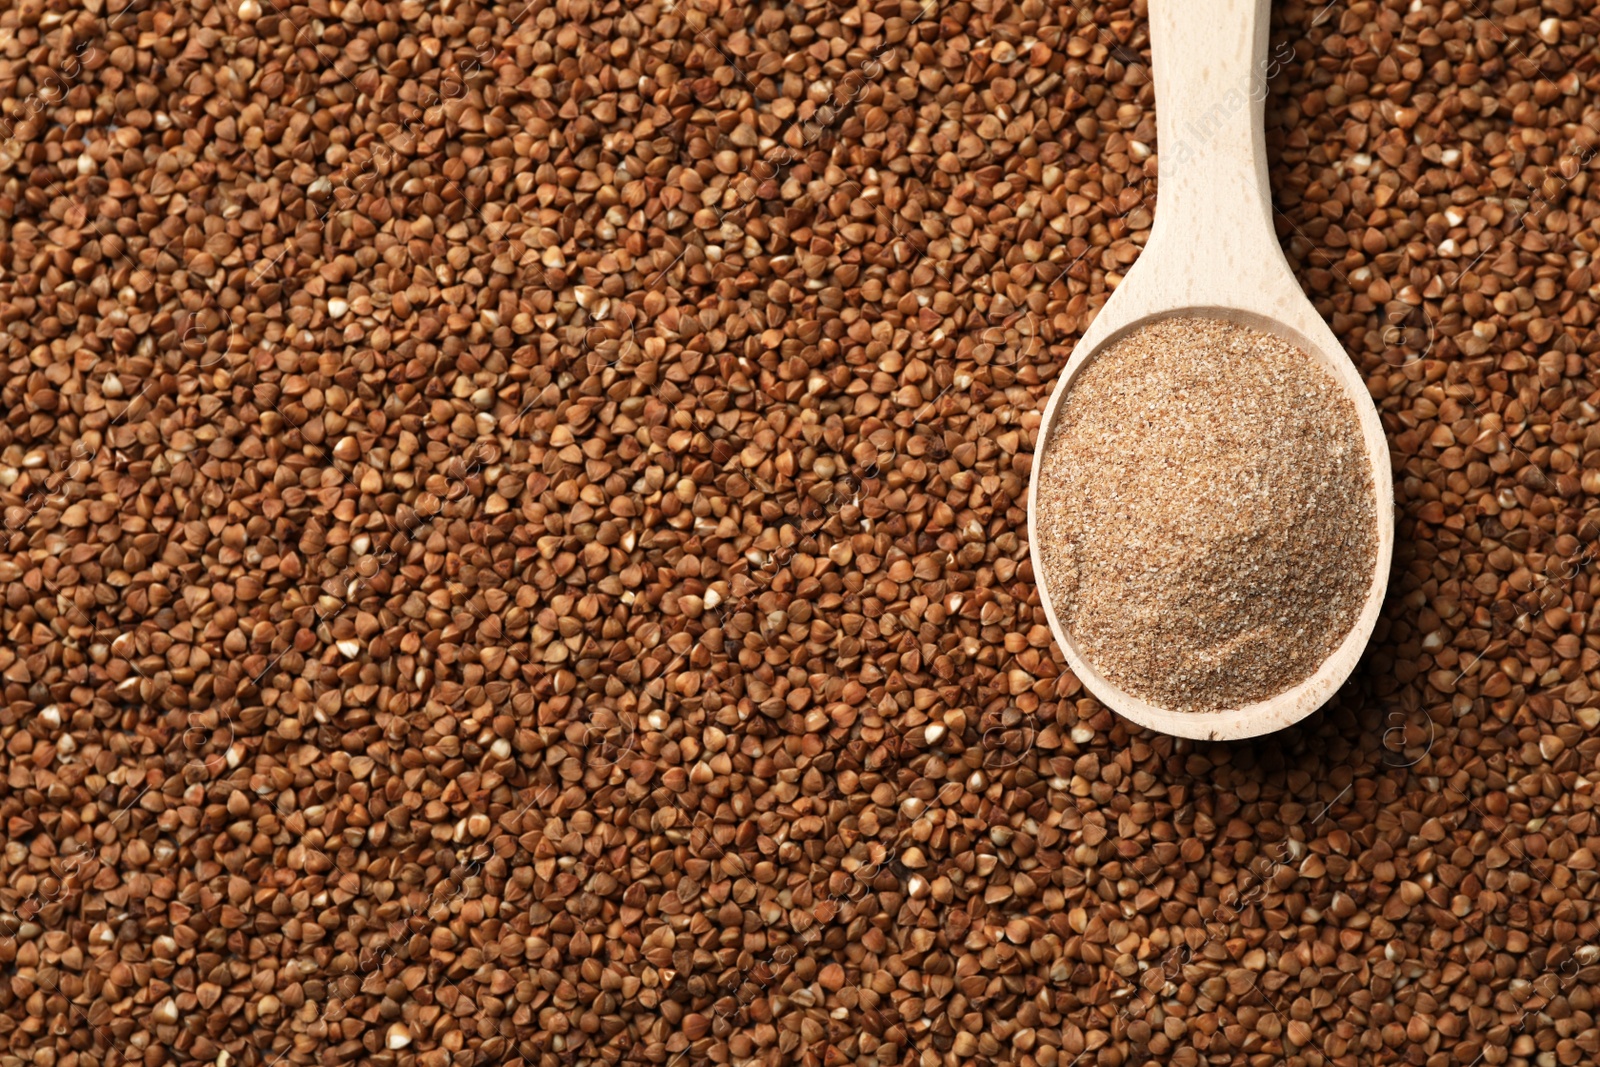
1212 236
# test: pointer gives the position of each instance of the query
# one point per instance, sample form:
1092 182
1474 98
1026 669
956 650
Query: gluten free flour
1206 514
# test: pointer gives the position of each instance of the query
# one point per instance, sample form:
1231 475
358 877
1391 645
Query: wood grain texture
1213 252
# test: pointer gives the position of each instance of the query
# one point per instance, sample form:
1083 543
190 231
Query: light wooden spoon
1213 253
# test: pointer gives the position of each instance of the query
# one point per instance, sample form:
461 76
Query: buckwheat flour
1206 514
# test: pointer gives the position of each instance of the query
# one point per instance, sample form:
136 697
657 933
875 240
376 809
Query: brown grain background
514 548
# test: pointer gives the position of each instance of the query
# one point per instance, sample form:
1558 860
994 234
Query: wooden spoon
1213 253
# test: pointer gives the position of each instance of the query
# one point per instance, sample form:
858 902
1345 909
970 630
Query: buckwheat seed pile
512 545
1206 514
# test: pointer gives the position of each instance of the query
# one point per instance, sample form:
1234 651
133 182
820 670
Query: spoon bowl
1213 253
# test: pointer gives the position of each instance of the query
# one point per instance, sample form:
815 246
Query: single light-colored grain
1207 514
